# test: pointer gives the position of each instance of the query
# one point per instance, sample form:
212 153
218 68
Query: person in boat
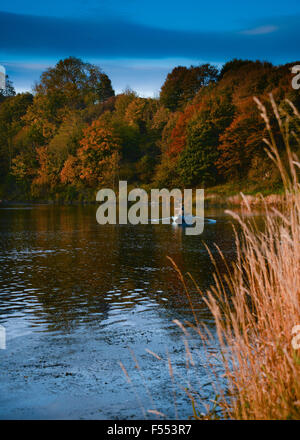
179 216
182 214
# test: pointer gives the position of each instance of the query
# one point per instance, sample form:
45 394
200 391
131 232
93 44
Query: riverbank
226 195
237 194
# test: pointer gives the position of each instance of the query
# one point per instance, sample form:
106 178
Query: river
77 298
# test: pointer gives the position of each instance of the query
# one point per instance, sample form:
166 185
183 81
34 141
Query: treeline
73 135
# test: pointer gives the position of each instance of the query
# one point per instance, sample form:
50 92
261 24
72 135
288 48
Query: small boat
186 219
180 217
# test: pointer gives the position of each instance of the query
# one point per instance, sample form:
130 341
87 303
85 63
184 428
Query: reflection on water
63 275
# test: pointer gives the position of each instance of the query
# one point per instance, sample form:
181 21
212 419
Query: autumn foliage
74 135
97 154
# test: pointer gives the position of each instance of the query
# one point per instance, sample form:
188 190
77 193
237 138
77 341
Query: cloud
132 54
27 66
49 37
261 30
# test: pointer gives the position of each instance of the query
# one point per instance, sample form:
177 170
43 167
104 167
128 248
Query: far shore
211 199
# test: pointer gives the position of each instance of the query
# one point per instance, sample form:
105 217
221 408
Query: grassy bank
231 194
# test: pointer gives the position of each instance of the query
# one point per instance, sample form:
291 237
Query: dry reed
256 304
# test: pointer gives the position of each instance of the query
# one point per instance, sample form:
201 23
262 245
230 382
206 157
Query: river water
77 298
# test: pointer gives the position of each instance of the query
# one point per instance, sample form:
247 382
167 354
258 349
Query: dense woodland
73 135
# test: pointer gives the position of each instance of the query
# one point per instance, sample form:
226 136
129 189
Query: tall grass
256 303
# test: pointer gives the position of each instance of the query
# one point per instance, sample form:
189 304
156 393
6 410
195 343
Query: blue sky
137 42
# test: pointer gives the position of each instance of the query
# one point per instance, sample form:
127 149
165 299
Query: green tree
12 111
197 163
74 84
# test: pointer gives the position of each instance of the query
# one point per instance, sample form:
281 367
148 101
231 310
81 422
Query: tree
47 176
98 155
74 84
178 134
12 111
241 142
122 102
24 169
183 83
67 138
197 162
105 90
71 170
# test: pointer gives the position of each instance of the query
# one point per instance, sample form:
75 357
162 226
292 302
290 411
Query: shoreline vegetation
217 196
211 199
73 135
